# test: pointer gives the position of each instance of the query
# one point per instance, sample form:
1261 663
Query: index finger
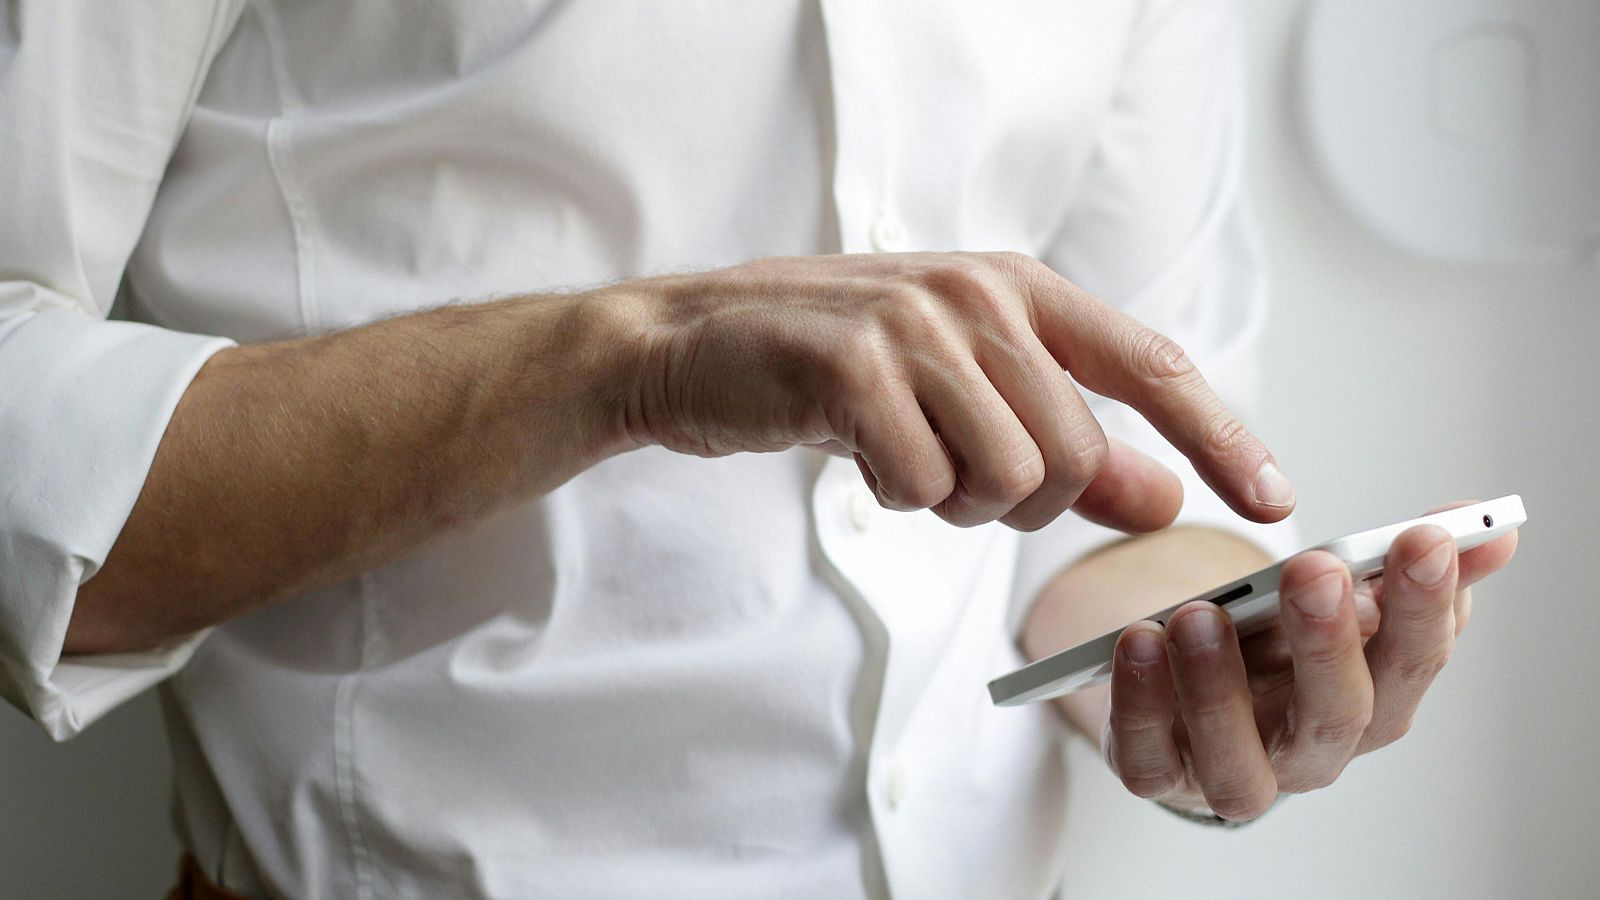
1111 353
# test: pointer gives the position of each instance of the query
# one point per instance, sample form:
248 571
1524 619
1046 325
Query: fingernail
1143 648
1272 486
1367 613
1430 569
1319 599
1198 630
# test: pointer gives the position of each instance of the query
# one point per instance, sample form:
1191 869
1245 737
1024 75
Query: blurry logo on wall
1459 131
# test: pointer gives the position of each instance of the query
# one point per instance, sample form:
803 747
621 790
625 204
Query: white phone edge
1252 601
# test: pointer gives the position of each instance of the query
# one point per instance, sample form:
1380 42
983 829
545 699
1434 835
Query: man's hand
942 374
1199 719
290 465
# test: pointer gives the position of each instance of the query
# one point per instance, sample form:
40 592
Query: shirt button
889 234
895 787
861 507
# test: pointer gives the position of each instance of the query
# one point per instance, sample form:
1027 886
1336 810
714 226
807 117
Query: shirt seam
301 223
344 744
290 190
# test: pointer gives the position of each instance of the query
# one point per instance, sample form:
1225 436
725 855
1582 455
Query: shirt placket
863 187
850 524
843 509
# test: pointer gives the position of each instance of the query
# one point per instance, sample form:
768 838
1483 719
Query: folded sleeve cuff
83 405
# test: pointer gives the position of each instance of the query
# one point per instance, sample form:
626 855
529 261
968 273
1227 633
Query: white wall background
1394 384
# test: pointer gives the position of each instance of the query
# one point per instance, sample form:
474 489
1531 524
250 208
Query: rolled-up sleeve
93 99
1160 228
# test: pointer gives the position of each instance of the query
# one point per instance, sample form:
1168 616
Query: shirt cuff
83 405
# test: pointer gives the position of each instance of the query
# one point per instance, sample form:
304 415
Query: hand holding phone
1252 601
1206 721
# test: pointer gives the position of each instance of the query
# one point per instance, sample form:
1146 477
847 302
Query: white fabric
671 677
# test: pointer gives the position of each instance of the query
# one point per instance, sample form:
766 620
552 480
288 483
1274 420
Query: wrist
649 325
612 341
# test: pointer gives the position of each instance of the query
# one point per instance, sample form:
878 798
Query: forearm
1121 583
290 465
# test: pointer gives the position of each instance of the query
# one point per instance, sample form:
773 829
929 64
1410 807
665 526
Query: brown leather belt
194 885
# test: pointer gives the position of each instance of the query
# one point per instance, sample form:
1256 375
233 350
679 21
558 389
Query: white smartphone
1252 601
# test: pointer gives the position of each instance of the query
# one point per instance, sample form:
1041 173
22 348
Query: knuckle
1020 267
1342 731
910 309
1421 668
861 361
1325 655
1015 260
1084 459
977 299
1421 612
1208 708
1225 435
1313 780
1158 358
955 278
1026 271
960 509
1014 482
1392 732
1131 721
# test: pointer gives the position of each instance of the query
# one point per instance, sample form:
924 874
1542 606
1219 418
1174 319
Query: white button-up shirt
672 676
